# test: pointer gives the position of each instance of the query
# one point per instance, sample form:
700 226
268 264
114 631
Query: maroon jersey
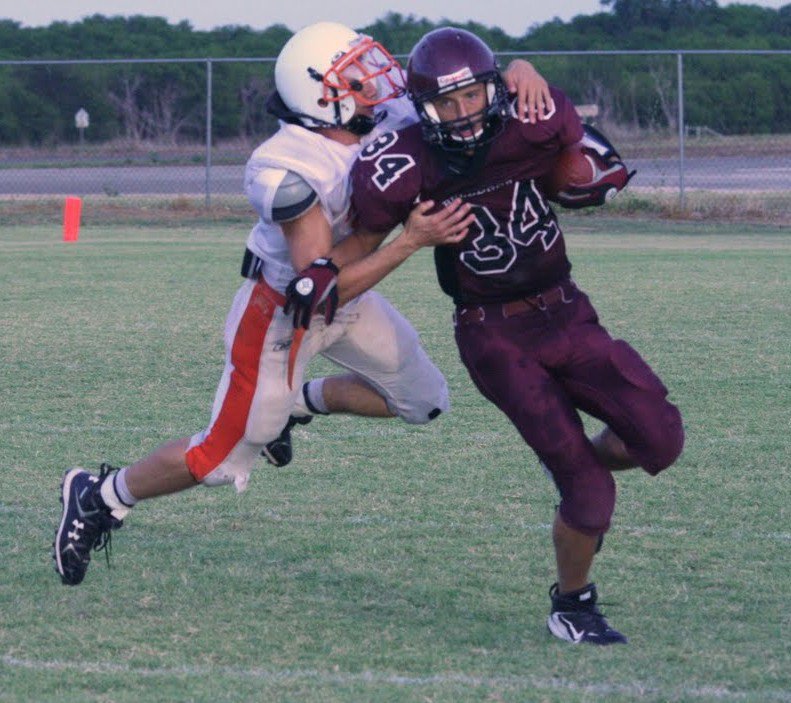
515 247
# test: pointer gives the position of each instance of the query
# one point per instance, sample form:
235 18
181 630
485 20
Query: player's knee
665 442
593 521
424 412
590 518
429 399
587 503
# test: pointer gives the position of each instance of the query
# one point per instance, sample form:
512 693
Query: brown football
572 168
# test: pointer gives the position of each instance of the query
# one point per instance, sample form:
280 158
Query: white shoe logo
576 635
77 527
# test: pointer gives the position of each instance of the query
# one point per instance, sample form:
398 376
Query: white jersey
325 165
257 393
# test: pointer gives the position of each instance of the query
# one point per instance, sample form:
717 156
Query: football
573 168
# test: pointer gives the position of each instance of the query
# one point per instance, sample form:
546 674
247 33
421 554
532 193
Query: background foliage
166 102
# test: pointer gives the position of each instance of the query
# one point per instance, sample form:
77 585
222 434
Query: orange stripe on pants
229 426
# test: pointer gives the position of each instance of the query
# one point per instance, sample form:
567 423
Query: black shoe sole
65 489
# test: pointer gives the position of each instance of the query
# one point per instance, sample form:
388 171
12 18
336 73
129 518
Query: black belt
251 265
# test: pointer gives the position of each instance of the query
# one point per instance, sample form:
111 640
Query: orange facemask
367 72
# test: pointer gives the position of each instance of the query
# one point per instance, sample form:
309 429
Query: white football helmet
325 66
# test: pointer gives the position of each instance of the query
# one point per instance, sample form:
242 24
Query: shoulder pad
294 197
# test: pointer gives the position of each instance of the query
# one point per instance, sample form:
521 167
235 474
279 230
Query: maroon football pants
542 366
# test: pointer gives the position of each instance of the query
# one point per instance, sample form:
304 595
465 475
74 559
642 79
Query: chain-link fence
691 122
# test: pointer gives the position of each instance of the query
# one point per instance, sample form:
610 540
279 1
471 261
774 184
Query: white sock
115 494
122 489
314 396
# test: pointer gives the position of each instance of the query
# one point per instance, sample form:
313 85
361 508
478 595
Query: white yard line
635 689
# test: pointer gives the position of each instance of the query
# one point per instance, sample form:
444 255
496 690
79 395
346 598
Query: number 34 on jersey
389 167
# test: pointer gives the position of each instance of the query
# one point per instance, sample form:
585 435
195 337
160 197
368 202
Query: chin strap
359 124
363 124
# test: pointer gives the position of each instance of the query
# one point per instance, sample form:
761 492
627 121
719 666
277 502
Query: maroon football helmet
447 59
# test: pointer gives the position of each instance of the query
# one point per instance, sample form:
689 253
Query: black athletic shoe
85 524
575 618
279 452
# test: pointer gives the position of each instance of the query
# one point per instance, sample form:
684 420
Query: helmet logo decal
457 78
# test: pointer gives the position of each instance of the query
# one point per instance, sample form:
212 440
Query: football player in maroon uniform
528 336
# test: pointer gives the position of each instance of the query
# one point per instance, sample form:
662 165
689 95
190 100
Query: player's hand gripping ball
311 289
587 173
573 168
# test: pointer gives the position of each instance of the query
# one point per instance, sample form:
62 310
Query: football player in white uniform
329 81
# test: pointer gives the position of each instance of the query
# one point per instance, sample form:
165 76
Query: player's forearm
354 247
358 276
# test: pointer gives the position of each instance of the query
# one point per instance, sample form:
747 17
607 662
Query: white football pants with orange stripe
253 401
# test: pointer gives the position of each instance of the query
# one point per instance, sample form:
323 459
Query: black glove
310 289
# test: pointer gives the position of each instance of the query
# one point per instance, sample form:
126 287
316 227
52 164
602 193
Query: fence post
682 201
208 131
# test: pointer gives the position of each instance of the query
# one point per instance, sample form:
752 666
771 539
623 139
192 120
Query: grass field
388 562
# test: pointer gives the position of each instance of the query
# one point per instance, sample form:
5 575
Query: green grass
389 562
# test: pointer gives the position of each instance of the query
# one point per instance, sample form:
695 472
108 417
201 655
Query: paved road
718 173
728 173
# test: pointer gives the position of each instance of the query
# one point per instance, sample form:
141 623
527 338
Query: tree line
167 101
